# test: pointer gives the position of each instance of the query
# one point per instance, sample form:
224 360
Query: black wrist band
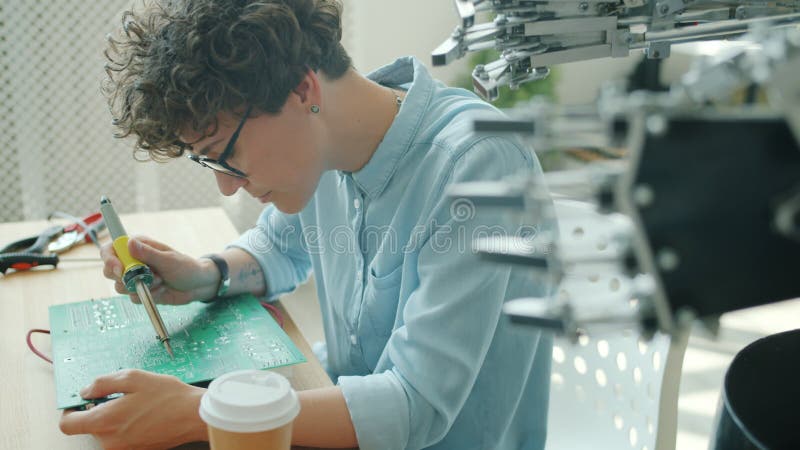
224 278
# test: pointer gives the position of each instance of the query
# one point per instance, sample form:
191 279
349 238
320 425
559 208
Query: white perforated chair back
606 389
56 138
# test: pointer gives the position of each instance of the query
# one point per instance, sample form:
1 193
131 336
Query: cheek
308 168
291 165
303 155
289 160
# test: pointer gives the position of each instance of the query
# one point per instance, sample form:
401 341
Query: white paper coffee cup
249 409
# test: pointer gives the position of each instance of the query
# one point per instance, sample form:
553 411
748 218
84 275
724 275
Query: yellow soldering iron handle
133 270
120 245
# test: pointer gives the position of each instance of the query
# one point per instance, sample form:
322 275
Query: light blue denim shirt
412 317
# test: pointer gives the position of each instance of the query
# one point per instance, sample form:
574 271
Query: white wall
579 82
378 31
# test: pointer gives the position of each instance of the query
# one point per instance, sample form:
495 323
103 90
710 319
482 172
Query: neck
357 113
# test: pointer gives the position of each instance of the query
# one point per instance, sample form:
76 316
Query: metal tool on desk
81 231
136 276
44 248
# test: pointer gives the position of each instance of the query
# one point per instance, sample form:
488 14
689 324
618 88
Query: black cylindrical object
760 407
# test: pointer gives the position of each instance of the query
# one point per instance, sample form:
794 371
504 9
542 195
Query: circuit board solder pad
101 336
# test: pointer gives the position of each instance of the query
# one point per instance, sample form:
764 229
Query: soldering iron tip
169 349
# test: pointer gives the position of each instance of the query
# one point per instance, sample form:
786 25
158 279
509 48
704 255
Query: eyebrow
204 151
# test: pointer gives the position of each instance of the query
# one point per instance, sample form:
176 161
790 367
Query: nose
227 184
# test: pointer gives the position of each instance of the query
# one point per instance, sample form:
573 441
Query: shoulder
457 150
452 152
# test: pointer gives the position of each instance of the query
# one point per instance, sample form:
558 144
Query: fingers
153 243
87 422
76 422
165 296
157 289
159 293
147 250
112 268
119 287
124 382
162 260
156 257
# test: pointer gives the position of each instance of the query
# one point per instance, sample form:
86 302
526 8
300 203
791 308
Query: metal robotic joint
554 32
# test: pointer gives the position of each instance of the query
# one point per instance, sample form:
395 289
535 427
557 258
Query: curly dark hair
178 63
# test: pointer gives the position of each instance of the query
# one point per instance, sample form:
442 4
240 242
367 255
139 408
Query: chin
294 201
288 207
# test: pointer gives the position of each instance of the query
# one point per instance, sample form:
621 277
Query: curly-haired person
354 170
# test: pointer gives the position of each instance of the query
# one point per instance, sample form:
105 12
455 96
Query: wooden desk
28 414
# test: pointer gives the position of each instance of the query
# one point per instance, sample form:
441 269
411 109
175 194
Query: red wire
275 313
31 346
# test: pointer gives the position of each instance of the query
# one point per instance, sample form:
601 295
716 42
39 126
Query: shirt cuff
379 410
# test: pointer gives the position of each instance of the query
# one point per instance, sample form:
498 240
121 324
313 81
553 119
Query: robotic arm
700 218
532 35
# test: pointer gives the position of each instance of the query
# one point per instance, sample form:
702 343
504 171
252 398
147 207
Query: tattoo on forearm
248 273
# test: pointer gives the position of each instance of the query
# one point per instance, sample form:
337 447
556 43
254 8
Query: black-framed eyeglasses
219 165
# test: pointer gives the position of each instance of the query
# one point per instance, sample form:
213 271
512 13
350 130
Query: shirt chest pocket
378 313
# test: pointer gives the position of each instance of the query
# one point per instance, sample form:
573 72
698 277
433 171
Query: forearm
244 272
324 420
195 430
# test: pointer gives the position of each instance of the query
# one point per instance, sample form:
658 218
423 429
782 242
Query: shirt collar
407 73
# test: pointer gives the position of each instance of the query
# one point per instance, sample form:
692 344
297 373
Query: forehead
200 141
223 125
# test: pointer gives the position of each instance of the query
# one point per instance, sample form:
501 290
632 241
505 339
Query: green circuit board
101 336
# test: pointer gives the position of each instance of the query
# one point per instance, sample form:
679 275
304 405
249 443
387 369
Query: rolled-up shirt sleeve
276 243
449 320
378 408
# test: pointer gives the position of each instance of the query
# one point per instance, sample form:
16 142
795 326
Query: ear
308 90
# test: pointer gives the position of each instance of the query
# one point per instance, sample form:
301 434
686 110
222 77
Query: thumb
147 253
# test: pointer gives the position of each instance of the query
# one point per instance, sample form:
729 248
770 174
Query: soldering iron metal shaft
150 306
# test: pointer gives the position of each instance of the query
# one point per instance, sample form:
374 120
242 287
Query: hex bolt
643 195
668 259
656 124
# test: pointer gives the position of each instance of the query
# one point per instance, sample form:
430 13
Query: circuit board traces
101 336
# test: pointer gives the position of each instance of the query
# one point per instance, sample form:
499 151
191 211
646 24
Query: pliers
42 250
81 231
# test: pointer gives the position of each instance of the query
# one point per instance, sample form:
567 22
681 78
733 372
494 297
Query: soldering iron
136 276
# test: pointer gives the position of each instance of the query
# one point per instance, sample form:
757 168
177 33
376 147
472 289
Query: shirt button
357 203
353 339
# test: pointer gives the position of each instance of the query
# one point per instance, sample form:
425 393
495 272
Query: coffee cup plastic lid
249 401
